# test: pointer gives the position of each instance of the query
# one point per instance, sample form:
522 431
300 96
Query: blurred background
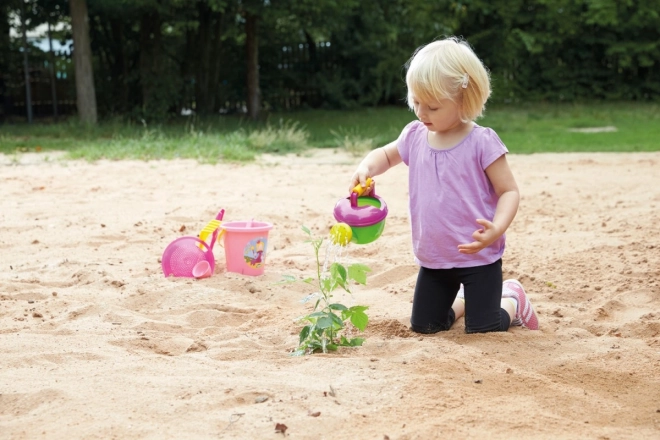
166 61
156 59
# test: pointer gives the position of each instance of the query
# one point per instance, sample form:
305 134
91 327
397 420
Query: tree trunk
26 66
150 46
120 67
188 71
216 61
53 82
203 59
4 61
82 55
252 57
313 68
209 40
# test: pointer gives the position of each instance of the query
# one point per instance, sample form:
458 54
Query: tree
212 22
50 12
82 54
153 58
251 11
6 64
150 59
26 64
252 64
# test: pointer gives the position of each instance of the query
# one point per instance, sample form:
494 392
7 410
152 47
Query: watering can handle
359 190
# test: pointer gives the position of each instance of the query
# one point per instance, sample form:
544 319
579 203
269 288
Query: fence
13 93
297 72
290 77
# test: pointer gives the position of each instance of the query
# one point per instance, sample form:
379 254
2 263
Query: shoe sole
526 312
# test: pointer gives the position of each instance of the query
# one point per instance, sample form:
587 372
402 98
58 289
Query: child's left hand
483 237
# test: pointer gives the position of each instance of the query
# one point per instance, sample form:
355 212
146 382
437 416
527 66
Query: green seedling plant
326 327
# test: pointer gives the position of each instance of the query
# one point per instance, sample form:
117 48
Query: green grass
546 128
228 140
524 128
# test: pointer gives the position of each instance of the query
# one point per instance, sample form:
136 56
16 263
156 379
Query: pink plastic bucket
245 246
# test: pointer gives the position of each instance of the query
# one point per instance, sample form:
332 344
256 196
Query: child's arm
501 177
376 162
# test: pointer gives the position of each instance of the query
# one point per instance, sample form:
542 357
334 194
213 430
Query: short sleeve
492 148
405 141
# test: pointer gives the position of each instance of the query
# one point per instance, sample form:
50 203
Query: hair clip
466 78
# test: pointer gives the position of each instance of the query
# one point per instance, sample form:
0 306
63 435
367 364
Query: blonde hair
449 69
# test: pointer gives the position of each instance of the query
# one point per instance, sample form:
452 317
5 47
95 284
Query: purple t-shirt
449 190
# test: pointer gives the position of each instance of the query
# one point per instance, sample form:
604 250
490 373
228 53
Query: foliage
326 327
155 58
562 50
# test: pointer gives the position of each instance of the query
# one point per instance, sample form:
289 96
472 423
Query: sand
97 343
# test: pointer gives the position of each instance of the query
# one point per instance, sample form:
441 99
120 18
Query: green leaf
325 322
304 333
339 324
346 314
356 342
339 274
358 272
314 345
306 230
337 307
360 320
307 319
332 347
338 271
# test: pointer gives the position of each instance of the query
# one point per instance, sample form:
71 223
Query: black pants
436 291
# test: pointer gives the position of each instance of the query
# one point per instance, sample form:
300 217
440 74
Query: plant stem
317 246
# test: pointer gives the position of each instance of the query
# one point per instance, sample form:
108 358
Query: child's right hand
375 163
360 180
363 190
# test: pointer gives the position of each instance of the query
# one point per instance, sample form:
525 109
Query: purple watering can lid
348 211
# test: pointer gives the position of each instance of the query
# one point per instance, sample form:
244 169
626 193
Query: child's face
438 116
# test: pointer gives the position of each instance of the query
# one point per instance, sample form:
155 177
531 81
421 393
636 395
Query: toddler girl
463 195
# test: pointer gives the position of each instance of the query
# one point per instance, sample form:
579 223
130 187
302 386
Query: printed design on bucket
255 252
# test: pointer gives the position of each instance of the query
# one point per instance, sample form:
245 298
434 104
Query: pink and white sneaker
525 314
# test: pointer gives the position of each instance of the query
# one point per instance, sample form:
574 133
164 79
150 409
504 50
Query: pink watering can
192 257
